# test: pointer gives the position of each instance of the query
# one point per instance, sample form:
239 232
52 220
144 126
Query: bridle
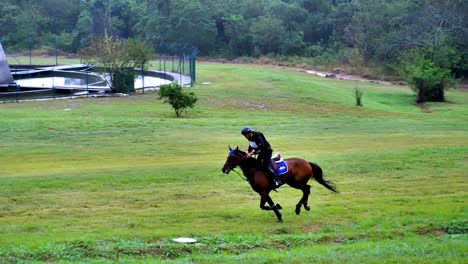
233 168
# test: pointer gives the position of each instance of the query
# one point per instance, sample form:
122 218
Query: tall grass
115 179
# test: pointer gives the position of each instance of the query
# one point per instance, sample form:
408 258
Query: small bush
179 99
456 227
124 80
428 80
358 97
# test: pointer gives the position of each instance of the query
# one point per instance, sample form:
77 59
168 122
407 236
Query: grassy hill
116 179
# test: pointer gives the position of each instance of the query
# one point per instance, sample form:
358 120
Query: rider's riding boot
276 180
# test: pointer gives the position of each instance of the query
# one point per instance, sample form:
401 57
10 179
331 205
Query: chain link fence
171 62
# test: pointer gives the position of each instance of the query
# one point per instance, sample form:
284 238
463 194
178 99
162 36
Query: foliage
179 99
123 80
336 32
268 34
428 80
358 97
456 226
116 56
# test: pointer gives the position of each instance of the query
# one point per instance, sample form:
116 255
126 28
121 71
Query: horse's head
233 160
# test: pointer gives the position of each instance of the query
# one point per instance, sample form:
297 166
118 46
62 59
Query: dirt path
342 75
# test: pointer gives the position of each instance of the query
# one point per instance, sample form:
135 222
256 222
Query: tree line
359 33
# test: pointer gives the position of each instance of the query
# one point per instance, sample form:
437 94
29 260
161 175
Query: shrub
456 227
124 80
116 56
428 80
358 97
179 99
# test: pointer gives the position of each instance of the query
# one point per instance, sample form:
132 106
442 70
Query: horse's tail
318 176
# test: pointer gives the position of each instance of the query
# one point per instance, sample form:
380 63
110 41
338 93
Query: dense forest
359 33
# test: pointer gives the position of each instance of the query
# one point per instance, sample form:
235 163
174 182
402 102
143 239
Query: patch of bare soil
433 232
424 107
343 75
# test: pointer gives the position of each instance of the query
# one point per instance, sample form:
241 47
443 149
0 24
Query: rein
242 177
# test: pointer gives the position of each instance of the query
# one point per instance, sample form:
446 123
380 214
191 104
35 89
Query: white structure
5 72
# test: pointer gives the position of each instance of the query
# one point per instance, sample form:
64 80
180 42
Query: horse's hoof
280 221
307 207
298 210
278 206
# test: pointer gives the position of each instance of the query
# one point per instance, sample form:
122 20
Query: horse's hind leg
305 202
304 199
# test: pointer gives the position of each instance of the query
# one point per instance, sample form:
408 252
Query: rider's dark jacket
262 147
259 143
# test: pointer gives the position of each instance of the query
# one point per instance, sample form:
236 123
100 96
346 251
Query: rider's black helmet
246 130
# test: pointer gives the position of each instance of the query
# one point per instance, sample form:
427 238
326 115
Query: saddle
279 165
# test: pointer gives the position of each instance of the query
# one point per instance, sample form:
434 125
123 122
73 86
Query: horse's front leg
265 197
272 204
276 208
263 200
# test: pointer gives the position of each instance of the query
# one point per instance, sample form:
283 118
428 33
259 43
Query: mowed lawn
117 178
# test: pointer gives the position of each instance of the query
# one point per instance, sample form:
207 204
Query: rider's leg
273 175
265 159
271 172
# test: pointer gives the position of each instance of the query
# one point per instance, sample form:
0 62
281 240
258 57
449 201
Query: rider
259 145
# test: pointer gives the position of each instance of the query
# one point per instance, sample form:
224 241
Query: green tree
428 80
437 27
81 34
179 99
30 23
117 57
368 30
238 34
268 33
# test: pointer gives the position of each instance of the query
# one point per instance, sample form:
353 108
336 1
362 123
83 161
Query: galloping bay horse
295 172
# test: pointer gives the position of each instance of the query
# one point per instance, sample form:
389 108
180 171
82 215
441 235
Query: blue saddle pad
281 167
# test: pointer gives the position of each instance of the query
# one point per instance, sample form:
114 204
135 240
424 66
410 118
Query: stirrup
277 183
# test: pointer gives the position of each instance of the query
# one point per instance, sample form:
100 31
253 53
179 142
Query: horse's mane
251 161
255 163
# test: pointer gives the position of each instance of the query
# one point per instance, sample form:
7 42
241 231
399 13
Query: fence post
30 49
87 83
181 68
193 56
17 93
143 76
53 82
56 44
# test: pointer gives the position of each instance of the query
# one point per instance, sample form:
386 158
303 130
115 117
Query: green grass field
103 180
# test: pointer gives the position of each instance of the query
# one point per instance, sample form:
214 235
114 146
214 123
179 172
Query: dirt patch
435 232
309 229
342 75
424 107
